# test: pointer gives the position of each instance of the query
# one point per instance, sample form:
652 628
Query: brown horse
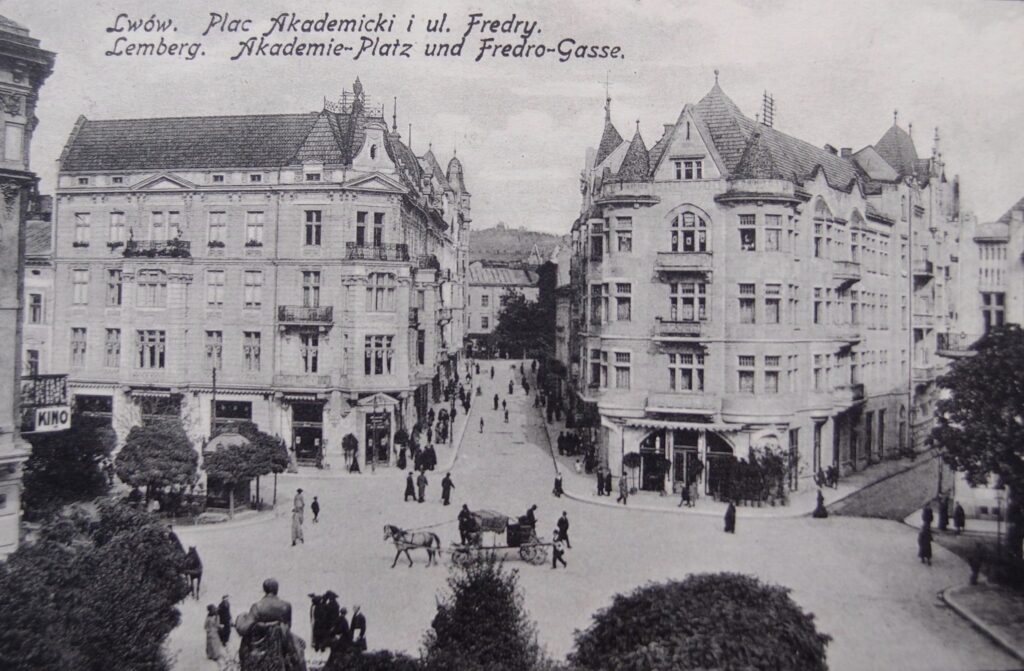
412 540
192 568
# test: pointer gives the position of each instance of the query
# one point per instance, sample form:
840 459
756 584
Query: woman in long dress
214 648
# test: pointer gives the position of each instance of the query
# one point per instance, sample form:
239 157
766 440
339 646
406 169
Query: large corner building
736 288
303 271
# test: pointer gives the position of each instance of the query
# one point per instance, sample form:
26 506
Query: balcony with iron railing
151 249
301 314
954 346
664 328
923 268
697 262
381 252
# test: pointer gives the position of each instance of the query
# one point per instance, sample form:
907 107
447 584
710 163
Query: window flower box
79 243
215 244
253 243
115 245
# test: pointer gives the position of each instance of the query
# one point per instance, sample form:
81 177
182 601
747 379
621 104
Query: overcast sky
522 126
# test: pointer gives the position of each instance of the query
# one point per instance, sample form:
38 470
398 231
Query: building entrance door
653 462
378 438
307 432
719 462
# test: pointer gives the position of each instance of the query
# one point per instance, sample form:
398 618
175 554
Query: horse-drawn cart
517 535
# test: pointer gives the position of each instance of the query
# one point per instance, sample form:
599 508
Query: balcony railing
954 346
42 390
846 395
388 252
414 317
151 249
685 329
924 373
428 262
923 267
300 314
848 333
304 380
846 271
684 261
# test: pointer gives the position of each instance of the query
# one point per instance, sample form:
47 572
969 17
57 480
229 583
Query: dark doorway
307 431
719 460
378 438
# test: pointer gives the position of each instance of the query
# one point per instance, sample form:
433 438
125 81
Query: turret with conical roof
610 138
455 175
636 165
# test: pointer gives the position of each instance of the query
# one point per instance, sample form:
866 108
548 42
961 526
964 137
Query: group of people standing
331 627
416 490
925 536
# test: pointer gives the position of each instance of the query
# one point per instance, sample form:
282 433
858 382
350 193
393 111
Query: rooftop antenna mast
768 109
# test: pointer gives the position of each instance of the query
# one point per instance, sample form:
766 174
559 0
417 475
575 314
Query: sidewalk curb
278 511
978 623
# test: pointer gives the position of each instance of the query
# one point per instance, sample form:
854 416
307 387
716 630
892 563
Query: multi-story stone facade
489 284
24 66
736 288
38 296
305 271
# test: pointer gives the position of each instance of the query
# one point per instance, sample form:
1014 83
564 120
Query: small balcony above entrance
846 272
664 328
303 315
684 262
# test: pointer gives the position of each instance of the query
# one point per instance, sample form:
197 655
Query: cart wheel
461 557
534 554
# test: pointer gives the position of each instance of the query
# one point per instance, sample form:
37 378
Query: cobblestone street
861 578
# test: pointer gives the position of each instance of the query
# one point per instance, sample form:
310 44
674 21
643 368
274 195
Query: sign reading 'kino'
44 403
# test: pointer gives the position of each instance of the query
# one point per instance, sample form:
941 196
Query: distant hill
503 243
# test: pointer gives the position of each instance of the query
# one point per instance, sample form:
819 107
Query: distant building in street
489 284
735 288
38 297
303 271
24 66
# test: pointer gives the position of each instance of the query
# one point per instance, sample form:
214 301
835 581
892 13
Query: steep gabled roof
731 132
430 165
176 143
1008 216
897 148
610 138
757 161
636 165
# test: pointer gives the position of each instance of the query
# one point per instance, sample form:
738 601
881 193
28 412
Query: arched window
380 292
689 233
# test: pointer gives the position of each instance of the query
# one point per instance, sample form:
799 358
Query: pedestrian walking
730 518
943 513
481 425
684 497
410 490
511 387
211 625
495 401
927 516
623 489
224 613
563 529
526 387
924 545
421 484
446 488
465 524
430 434
492 372
315 509
297 527
341 639
600 480
819 510
506 415
558 491
557 553
959 518
299 503
504 404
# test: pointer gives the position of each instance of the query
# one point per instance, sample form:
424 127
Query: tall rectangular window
819 373
771 374
313 229
380 292
253 292
215 288
152 288
772 232
993 309
624 234
595 367
251 350
309 351
689 169
214 350
217 228
623 302
748 302
32 362
80 287
311 288
378 229
112 348
686 372
151 348
173 225
421 347
116 227
361 228
82 228
78 344
748 233
35 308
597 243
794 305
772 303
157 226
254 229
485 322
622 370
595 304
818 317
746 374
14 140
377 355
687 301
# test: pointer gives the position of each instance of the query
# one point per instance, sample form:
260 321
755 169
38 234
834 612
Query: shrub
379 660
708 621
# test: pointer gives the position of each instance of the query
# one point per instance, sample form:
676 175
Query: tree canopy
980 421
523 328
96 591
482 624
721 621
158 454
65 466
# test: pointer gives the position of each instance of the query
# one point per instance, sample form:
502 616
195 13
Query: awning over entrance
692 426
151 393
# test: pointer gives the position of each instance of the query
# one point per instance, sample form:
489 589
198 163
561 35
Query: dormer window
255 178
689 169
312 177
373 151
83 181
117 179
217 179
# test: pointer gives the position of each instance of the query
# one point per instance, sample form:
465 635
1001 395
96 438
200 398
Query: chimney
830 149
846 152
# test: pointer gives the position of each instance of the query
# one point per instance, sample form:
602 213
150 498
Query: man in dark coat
341 639
959 518
495 401
563 529
943 513
924 545
927 516
315 509
421 485
492 372
608 482
430 433
224 615
465 523
446 488
558 491
410 489
324 617
600 481
530 516
819 510
429 458
730 519
358 624
511 387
